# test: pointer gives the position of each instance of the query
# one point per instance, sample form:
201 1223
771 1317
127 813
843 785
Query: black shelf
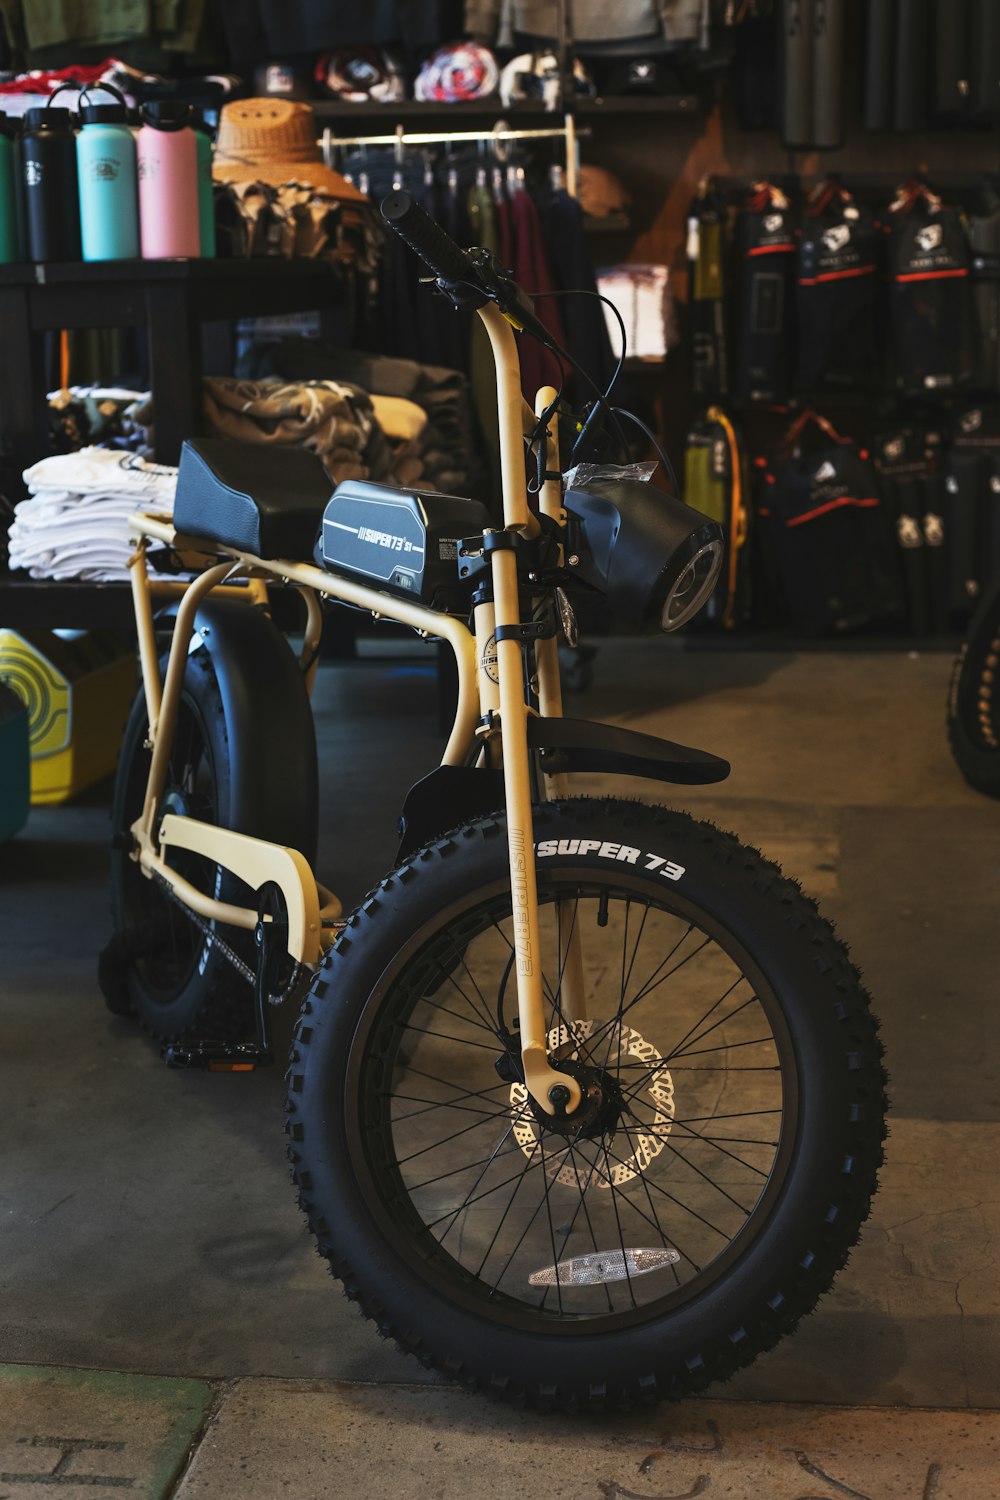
45 604
493 109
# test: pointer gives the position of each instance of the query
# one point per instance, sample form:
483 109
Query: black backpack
820 512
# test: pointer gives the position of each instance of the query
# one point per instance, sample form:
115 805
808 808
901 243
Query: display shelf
45 604
48 604
493 108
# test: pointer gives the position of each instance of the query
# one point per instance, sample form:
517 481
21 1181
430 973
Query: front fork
501 676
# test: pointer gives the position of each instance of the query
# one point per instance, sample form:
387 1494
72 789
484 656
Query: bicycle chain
243 969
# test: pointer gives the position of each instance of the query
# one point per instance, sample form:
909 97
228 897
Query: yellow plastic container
78 693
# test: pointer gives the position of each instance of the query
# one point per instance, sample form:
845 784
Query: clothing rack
400 139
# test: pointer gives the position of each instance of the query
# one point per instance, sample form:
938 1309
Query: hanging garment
823 519
312 25
835 293
531 271
706 254
929 299
878 95
495 21
752 33
573 271
813 63
767 257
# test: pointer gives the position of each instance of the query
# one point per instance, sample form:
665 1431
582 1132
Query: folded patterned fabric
318 415
398 417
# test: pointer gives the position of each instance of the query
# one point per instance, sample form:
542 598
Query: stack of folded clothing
74 523
446 445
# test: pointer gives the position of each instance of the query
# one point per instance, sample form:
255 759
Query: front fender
451 795
582 745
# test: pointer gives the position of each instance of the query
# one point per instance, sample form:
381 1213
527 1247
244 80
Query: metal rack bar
400 138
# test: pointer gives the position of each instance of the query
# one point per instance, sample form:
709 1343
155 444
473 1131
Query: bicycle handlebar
437 250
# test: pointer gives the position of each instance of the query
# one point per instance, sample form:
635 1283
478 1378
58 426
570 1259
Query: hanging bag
835 293
929 299
767 256
828 538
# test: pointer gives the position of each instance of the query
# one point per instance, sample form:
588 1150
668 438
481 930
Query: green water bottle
206 200
10 219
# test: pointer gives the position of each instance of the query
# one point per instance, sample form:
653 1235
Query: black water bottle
48 179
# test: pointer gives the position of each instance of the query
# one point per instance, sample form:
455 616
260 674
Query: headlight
655 559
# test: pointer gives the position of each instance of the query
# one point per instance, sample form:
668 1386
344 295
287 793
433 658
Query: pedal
218 1057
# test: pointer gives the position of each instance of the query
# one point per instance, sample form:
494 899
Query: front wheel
682 1221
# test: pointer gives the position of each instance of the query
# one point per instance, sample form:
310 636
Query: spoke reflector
603 1266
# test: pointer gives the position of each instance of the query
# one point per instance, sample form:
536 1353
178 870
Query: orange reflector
228 1067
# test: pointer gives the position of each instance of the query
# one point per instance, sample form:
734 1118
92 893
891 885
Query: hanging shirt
531 271
572 270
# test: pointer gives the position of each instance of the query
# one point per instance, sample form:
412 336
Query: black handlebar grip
436 249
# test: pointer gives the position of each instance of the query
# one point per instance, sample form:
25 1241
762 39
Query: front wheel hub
597 1111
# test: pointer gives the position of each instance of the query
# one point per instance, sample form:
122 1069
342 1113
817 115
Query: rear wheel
974 700
702 1198
161 966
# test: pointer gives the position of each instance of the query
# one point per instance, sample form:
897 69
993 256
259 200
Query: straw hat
274 141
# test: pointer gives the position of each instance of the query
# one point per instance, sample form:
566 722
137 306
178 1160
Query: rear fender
269 722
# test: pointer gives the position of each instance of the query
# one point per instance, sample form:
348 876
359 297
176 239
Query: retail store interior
432 439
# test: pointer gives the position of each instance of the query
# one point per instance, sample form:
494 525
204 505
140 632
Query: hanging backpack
767 256
822 516
929 309
835 292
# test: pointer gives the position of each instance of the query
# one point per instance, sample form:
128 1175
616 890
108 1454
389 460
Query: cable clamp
528 630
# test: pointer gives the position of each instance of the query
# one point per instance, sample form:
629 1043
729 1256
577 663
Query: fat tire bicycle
973 716
585 1099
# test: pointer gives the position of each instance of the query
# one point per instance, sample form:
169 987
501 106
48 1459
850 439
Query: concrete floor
148 1222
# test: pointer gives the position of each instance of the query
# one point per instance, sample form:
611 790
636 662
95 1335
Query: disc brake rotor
614 1046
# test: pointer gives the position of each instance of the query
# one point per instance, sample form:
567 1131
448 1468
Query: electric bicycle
585 1099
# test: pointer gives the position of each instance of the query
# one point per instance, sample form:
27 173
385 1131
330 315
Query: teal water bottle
206 197
10 235
106 172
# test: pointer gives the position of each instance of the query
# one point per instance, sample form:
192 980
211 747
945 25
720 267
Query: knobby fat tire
828 1186
215 1002
973 715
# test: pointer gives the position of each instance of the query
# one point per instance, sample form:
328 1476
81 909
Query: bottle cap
8 127
167 114
45 118
103 114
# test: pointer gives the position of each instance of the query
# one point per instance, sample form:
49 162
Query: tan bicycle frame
494 710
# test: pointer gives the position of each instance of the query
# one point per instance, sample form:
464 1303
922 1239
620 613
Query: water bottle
10 227
206 195
168 181
106 169
47 155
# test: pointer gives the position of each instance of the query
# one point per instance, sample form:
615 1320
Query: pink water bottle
168 181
